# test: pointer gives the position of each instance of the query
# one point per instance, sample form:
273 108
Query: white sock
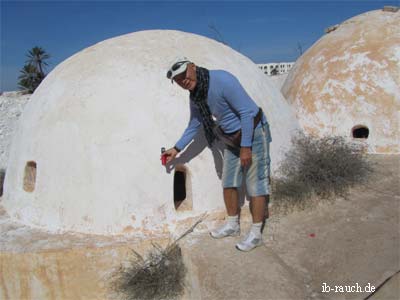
233 221
256 228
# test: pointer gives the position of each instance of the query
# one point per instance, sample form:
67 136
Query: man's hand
170 153
245 156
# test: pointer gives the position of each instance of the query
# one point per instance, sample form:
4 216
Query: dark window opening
179 188
2 177
30 176
182 189
360 132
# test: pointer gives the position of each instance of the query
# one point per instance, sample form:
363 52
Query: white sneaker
250 242
226 230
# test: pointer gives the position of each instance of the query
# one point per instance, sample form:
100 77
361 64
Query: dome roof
350 80
86 154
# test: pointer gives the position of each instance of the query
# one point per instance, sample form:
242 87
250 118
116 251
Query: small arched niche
2 177
30 176
360 132
182 189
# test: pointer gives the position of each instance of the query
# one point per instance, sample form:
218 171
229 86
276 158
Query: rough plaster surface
349 77
11 107
95 127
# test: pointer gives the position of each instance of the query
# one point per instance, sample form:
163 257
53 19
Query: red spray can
163 157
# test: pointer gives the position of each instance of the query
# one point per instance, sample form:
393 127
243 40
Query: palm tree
30 78
32 73
37 56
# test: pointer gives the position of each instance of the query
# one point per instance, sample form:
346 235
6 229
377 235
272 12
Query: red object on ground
311 235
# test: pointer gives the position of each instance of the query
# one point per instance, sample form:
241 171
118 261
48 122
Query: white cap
178 67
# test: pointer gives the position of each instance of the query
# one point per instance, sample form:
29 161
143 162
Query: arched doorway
182 189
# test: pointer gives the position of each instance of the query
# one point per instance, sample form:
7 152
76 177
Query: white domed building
348 82
86 155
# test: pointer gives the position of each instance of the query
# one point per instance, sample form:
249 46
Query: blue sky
264 31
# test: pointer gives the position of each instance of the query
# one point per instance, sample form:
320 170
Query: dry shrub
160 276
319 168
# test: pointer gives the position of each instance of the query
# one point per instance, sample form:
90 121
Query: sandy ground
356 241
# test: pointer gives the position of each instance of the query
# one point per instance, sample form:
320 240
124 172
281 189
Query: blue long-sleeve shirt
229 104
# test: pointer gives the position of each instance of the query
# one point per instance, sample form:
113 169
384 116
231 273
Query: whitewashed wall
95 127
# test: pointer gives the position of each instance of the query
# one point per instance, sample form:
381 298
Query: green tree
37 56
30 78
32 73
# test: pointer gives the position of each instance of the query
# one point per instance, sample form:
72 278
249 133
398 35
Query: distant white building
276 68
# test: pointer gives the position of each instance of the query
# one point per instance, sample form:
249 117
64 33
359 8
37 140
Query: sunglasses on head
175 67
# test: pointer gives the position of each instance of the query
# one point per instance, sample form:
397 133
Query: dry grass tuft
318 168
159 276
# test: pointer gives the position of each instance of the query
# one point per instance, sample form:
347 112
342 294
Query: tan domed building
348 82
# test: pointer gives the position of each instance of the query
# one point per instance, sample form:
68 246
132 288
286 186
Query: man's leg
231 199
231 179
258 187
258 208
254 237
231 226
